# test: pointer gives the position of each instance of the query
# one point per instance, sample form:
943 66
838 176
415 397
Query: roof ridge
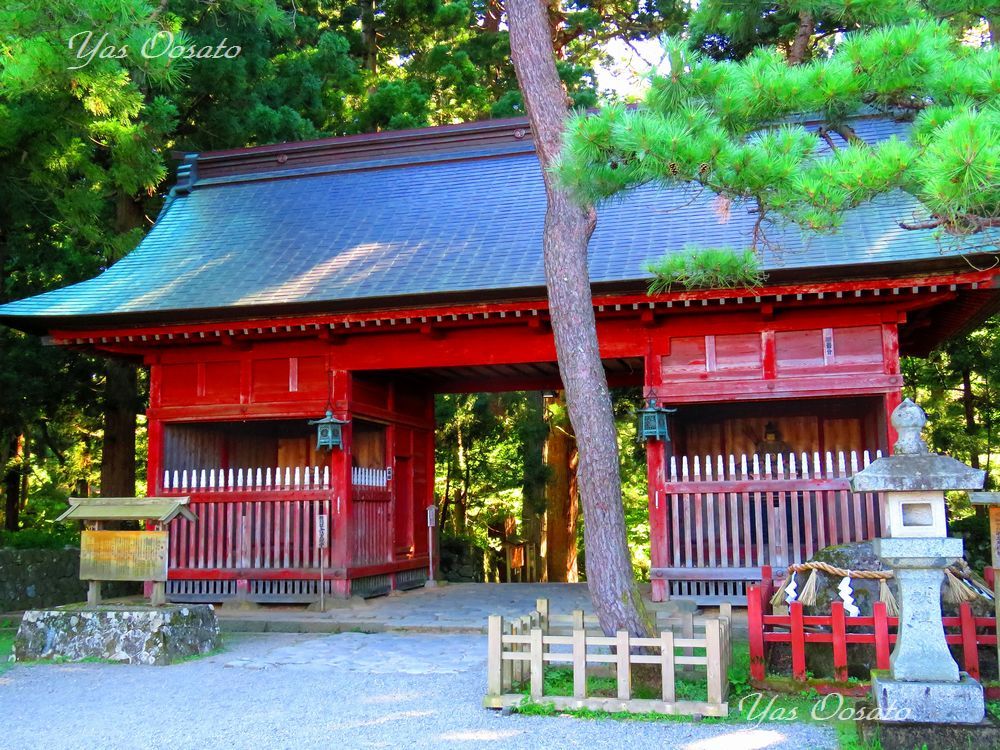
359 147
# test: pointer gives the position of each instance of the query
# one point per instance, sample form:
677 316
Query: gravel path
342 691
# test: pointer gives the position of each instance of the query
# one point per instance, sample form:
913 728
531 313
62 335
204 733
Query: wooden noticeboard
123 556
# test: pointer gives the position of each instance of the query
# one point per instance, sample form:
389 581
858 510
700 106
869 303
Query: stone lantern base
925 702
907 735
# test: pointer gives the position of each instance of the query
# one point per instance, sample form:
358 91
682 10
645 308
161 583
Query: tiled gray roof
395 233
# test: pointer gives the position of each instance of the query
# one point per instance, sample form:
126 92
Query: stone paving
350 690
451 608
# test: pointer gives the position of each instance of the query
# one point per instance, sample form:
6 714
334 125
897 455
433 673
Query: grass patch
747 705
6 649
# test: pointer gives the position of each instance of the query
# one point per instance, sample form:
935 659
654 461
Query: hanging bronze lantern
653 422
329 432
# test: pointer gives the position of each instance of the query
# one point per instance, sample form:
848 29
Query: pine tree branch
800 44
964 223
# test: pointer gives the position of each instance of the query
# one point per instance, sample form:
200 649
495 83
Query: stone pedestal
921 652
928 702
924 683
129 634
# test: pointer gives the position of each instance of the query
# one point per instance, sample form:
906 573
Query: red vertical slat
276 539
675 519
258 539
230 533
296 534
798 641
818 498
794 546
286 537
710 531
839 628
699 534
881 636
970 652
210 536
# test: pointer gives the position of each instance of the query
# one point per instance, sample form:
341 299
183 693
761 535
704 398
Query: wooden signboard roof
158 509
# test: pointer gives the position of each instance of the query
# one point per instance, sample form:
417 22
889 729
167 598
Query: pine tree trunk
494 13
567 231
120 411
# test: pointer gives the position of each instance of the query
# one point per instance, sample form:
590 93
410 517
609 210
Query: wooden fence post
970 651
667 666
579 658
506 665
537 664
839 636
767 584
755 627
798 642
715 675
494 656
623 650
542 607
579 623
881 635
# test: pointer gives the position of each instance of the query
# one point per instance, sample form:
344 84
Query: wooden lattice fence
521 648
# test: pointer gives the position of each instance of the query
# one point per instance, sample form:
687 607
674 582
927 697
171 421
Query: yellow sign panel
123 556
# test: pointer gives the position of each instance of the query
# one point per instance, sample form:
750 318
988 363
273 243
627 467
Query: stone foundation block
928 702
129 634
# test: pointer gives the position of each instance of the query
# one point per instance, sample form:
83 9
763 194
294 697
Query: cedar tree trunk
121 391
120 411
533 431
568 227
12 484
562 514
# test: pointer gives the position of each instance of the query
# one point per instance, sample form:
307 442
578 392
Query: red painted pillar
890 359
891 400
340 489
659 553
755 630
659 541
154 434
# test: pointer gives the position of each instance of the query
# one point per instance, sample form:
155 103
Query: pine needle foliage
737 129
713 268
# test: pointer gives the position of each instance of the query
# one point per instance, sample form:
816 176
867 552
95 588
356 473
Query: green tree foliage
719 125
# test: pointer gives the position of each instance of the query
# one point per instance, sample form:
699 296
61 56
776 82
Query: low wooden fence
520 649
726 517
840 633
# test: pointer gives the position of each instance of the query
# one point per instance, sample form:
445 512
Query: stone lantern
923 683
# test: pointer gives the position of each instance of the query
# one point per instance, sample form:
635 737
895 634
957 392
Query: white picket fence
733 468
266 478
370 477
251 478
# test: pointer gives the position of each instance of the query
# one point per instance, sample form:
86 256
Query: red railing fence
841 632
